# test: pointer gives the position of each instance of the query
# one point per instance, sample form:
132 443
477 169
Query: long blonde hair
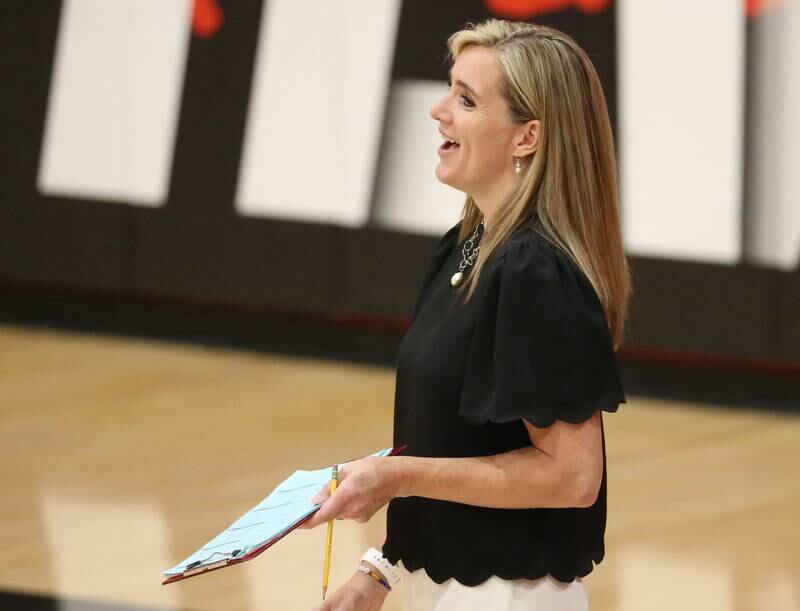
568 192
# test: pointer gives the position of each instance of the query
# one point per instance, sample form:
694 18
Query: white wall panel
408 195
773 212
681 127
114 100
317 109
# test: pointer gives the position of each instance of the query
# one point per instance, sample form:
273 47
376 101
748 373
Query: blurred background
214 219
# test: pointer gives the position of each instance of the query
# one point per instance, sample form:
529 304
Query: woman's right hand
360 593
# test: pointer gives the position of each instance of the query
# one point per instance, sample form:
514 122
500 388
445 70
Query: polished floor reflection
118 457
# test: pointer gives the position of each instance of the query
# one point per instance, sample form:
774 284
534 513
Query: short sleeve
542 350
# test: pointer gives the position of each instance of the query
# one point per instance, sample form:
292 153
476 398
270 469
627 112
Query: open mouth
449 145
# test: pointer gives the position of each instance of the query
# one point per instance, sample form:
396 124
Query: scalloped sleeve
542 350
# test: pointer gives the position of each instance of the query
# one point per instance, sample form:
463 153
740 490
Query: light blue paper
284 507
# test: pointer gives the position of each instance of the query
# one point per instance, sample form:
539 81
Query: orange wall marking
207 18
525 9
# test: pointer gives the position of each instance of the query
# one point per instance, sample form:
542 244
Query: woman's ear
528 139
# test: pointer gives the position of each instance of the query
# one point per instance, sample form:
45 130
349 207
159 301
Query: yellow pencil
327 570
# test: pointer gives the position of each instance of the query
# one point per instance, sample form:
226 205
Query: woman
499 501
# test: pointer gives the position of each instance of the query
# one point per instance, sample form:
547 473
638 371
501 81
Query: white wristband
379 561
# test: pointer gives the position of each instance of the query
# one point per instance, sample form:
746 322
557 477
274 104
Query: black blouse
531 344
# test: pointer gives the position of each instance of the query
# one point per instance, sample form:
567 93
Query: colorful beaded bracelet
375 575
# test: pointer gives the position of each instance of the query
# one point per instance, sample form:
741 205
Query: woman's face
475 116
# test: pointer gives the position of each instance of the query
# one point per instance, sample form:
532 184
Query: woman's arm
562 468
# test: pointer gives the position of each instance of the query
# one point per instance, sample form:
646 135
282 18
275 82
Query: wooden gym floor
119 457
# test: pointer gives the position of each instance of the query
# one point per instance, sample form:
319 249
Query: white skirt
494 594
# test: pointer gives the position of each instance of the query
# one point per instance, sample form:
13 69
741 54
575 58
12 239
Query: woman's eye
466 101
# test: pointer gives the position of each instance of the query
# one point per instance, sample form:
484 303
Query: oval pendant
455 280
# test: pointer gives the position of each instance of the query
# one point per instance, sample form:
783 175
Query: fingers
314 521
322 495
331 508
325 492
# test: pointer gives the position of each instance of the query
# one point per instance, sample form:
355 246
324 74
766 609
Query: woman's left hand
364 487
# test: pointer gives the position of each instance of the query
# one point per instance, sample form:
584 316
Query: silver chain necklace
468 254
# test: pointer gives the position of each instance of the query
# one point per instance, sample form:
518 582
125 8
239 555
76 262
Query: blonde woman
499 501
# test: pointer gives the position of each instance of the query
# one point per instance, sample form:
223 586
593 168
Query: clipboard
220 553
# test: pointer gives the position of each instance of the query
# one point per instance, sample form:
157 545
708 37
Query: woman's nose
438 110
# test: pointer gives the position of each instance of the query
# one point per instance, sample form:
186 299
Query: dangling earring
517 165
